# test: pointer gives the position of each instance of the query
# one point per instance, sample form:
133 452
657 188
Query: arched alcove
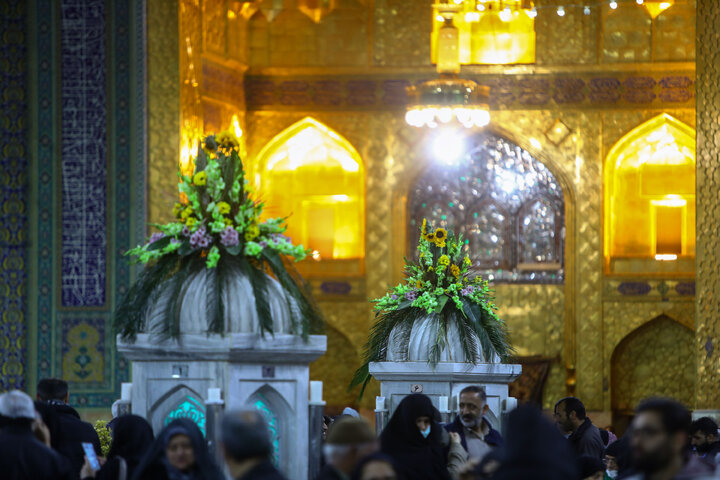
656 359
508 206
312 173
179 402
280 420
650 199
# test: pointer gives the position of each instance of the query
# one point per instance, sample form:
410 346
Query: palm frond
491 331
170 326
259 283
129 318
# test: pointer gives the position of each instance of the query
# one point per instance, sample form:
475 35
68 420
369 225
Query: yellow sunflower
200 178
419 284
439 243
455 270
227 139
440 234
430 237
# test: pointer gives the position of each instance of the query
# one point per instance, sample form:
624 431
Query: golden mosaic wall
635 375
291 77
708 206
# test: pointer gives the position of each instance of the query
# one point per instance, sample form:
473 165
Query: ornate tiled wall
13 195
708 206
88 99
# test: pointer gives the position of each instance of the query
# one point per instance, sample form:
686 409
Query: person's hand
455 438
86 470
41 431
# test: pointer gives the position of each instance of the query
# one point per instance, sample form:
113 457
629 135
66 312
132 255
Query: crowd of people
46 439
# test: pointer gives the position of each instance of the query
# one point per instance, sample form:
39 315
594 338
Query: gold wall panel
655 360
674 38
163 105
627 34
401 32
214 27
708 205
292 39
571 39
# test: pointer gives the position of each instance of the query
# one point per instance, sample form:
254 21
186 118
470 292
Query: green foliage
104 436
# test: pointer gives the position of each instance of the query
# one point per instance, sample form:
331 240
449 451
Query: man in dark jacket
476 434
22 456
247 448
585 437
704 438
70 432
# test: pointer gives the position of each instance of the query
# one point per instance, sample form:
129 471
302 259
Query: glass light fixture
449 98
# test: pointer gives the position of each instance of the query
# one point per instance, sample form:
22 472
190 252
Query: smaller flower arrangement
218 228
104 436
441 286
219 216
441 275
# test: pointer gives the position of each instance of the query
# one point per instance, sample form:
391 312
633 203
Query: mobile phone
92 457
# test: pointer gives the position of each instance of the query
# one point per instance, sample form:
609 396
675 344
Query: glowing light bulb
586 10
439 18
448 146
639 2
506 14
481 7
613 5
561 11
445 115
532 13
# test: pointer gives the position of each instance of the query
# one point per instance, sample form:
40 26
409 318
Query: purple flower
411 295
467 291
199 239
174 241
156 236
393 297
186 231
229 237
263 244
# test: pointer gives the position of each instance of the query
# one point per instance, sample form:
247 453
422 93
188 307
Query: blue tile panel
13 206
84 154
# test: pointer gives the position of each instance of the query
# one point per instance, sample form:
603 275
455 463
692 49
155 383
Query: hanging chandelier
448 98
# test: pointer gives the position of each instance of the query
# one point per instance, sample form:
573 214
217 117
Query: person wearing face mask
414 440
179 453
477 436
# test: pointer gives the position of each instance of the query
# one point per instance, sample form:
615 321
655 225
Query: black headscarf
535 450
132 438
154 465
416 457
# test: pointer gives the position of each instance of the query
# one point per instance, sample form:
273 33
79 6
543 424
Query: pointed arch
280 419
650 197
181 401
311 172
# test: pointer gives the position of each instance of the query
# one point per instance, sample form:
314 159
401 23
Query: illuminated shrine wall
601 76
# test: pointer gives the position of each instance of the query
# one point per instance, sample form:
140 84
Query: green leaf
185 249
442 300
159 244
234 250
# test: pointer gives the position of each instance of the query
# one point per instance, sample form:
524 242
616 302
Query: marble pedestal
399 379
271 374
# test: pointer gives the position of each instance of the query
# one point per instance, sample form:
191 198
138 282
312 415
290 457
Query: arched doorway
656 359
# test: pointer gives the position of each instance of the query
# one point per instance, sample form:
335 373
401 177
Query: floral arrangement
104 436
442 286
217 226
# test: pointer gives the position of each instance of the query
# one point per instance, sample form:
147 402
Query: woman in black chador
179 453
413 439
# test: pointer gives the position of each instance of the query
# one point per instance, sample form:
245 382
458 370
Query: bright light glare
532 13
613 5
448 146
665 257
506 14
640 2
561 11
535 143
664 5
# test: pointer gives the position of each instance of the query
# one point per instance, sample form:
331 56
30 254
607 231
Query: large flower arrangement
217 227
439 285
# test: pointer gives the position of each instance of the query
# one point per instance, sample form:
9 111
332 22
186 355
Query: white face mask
612 473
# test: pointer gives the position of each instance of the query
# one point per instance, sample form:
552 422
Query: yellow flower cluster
444 260
252 232
437 237
455 270
227 139
223 208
